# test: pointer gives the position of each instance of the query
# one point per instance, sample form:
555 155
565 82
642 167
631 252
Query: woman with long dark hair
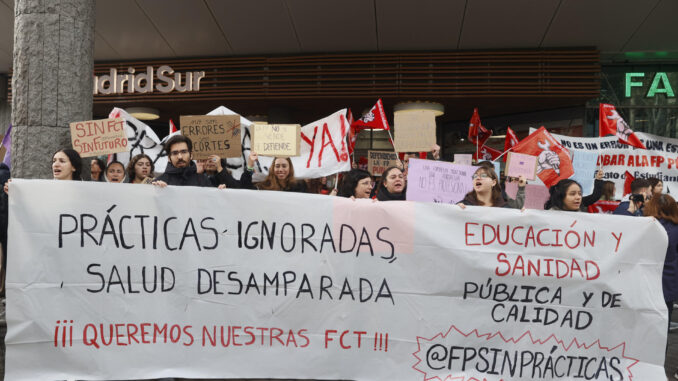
392 185
140 168
356 183
280 176
565 195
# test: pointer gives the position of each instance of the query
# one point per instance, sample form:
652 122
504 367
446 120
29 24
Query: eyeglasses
480 176
177 153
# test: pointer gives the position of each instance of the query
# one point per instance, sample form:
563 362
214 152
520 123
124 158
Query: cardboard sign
276 140
378 161
99 137
415 131
584 164
438 181
366 290
463 158
518 164
213 135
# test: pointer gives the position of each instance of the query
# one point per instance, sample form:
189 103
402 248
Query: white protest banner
141 139
659 160
378 161
149 286
98 137
438 181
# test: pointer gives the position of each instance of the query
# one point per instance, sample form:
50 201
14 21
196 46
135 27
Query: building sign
651 84
162 80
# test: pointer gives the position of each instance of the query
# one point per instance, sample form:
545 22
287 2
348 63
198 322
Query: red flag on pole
611 123
172 127
554 162
628 179
486 153
477 133
511 139
374 119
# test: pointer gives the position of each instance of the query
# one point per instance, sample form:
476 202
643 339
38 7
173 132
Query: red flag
611 123
477 133
603 207
554 162
352 134
374 119
628 179
172 127
486 153
511 139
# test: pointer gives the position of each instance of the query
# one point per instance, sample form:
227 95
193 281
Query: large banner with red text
208 283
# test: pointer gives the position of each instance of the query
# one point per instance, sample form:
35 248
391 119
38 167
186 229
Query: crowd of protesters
646 197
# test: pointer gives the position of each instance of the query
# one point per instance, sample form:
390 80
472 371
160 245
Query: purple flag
7 144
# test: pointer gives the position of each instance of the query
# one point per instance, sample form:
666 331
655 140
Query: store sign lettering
656 84
163 80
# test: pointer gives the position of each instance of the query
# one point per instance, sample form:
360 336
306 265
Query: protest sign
212 135
438 181
463 159
536 195
518 164
584 164
378 161
147 286
660 159
99 137
415 131
276 140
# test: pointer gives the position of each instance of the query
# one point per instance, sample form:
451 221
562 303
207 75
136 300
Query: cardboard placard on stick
415 131
99 137
378 161
279 140
213 135
518 164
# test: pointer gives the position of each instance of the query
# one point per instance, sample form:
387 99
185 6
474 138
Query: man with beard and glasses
181 170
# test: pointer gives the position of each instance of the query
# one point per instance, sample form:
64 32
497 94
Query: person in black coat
392 185
181 170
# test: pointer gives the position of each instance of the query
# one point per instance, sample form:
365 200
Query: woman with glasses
140 169
486 190
356 183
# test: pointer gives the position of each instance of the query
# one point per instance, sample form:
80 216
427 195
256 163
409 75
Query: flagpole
394 147
503 153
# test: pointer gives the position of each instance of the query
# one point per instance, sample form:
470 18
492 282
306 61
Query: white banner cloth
208 283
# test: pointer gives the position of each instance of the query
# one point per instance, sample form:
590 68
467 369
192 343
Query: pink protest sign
519 164
437 181
535 195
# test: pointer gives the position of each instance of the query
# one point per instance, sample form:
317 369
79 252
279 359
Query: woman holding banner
565 196
663 207
356 183
280 175
392 185
115 172
139 169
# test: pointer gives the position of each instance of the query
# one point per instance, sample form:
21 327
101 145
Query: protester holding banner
663 207
139 168
566 196
519 201
115 172
356 184
96 168
632 204
280 176
656 185
591 199
486 190
392 185
218 173
181 170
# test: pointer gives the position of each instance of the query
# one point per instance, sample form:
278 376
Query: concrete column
5 107
51 81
